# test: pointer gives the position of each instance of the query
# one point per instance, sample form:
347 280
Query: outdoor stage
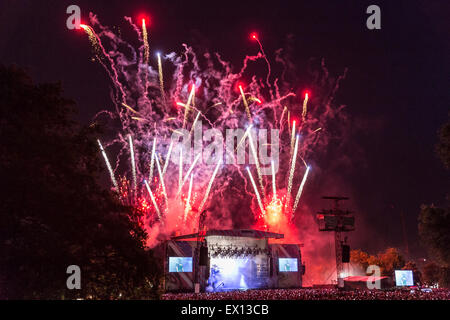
234 259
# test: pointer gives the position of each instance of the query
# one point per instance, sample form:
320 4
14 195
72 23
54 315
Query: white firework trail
194 123
187 207
133 163
247 110
161 81
153 201
208 190
108 165
152 161
300 190
258 168
244 136
189 172
180 169
169 152
162 181
292 136
258 197
274 186
291 172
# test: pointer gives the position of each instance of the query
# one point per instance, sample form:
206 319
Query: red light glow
144 19
238 86
294 122
306 94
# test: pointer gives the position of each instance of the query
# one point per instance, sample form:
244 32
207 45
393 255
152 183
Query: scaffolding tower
199 270
339 221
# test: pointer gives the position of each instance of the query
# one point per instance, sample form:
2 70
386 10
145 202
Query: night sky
396 91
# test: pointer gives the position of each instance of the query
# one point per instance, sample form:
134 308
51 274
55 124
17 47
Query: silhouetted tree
431 274
417 275
360 258
434 231
434 222
53 212
388 261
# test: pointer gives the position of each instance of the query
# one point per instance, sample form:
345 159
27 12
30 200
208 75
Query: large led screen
404 278
180 264
287 265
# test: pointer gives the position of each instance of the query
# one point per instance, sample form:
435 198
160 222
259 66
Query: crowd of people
315 294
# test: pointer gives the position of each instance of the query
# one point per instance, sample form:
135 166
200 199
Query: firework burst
202 91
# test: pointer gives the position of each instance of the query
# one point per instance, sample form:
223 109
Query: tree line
434 233
53 212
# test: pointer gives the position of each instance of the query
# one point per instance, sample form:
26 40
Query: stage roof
364 278
249 233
